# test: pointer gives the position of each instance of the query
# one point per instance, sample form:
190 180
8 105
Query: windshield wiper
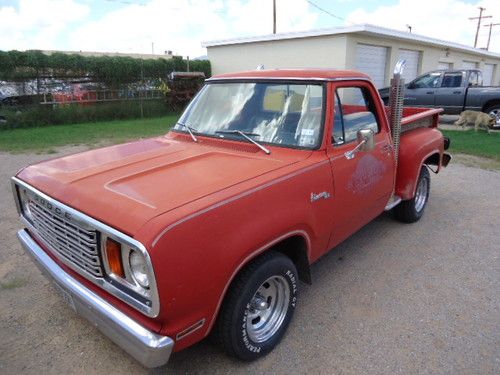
190 130
247 136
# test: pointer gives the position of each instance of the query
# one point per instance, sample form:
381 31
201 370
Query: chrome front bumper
149 348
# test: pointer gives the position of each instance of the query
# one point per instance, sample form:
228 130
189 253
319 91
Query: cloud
37 24
181 26
443 19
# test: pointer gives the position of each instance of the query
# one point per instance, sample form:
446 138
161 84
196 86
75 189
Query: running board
393 202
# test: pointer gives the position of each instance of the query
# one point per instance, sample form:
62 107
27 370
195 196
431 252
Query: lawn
46 139
475 143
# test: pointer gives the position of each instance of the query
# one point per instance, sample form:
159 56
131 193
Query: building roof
321 74
364 29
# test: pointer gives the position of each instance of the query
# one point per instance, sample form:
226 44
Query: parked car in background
453 90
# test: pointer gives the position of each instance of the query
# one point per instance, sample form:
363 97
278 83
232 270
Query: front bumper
149 348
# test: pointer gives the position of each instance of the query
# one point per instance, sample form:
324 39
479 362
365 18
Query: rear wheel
494 111
412 210
258 308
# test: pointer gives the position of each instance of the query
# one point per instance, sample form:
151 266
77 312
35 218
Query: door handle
457 92
430 92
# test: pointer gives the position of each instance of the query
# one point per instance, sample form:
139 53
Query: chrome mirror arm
350 154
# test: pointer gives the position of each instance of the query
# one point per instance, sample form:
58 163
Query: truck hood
126 185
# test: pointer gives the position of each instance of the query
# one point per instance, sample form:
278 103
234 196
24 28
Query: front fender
415 147
196 257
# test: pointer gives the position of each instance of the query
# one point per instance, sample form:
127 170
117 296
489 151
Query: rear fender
416 147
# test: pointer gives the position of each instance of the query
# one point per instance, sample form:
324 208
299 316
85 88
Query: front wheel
259 307
412 210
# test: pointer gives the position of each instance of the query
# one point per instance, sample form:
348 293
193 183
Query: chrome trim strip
149 348
151 311
236 197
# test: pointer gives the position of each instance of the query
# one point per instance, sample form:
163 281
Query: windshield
275 113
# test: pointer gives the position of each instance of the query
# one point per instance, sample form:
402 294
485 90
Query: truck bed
415 117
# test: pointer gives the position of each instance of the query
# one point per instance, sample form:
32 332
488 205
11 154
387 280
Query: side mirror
410 86
365 139
366 142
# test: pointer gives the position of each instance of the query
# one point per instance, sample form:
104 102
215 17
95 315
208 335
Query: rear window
452 80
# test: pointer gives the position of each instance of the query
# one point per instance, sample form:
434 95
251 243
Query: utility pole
489 35
274 16
481 9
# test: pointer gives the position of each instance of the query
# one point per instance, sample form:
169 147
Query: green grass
13 284
45 139
475 143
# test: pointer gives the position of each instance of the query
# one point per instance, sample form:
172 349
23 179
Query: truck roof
315 74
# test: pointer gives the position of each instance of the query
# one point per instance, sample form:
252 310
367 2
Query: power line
481 9
327 12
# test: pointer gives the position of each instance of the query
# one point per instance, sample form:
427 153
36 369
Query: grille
74 244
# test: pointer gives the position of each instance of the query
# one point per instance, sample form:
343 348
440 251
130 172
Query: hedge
110 70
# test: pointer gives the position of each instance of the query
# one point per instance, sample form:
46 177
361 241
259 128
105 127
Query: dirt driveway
393 299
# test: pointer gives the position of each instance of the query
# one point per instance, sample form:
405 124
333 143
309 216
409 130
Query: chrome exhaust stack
396 96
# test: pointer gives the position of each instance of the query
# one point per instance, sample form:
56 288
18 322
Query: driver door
364 183
422 91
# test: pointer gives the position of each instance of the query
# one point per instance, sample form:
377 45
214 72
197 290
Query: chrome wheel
267 309
496 114
421 194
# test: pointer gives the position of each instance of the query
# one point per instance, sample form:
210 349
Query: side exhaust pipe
396 96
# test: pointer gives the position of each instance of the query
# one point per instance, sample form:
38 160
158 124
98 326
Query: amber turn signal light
114 253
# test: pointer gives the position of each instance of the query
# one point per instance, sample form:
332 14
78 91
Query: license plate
65 296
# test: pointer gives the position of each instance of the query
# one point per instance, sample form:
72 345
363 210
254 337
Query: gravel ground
393 299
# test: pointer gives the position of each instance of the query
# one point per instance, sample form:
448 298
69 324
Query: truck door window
355 109
474 78
430 80
453 79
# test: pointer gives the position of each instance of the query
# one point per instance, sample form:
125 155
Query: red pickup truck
209 229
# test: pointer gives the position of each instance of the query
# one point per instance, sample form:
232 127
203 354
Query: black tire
410 211
494 111
234 328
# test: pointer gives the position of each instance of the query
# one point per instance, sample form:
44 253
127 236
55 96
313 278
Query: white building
370 49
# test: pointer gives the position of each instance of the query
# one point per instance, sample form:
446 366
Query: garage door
444 65
488 74
412 60
469 65
372 60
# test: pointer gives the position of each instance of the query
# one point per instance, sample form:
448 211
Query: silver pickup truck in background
453 90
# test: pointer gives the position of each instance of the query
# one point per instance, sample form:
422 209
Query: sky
145 26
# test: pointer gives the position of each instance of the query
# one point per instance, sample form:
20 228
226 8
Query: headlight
139 268
25 204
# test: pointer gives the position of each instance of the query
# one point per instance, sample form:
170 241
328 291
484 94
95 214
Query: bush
43 115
